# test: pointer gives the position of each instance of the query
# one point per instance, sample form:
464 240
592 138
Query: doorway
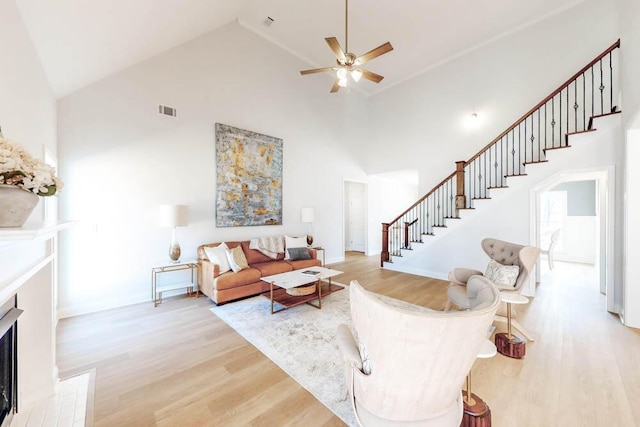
577 209
355 216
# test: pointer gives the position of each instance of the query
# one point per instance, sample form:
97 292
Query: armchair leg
515 324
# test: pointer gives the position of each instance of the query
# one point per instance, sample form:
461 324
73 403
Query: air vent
167 111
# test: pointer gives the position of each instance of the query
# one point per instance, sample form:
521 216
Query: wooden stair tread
534 163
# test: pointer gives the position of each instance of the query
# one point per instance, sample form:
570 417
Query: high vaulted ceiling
81 41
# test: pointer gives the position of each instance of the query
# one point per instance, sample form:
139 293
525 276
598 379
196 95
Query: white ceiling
81 41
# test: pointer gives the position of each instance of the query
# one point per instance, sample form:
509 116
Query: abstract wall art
249 178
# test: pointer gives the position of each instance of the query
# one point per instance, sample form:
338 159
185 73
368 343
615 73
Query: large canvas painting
249 178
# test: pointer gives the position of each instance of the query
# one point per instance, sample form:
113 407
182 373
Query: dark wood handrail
544 101
423 197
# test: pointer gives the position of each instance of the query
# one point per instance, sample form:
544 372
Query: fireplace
8 361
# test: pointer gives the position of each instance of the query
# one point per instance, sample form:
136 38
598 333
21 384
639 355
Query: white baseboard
418 271
94 306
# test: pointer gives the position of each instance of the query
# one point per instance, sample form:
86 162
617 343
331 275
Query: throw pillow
502 275
298 253
294 242
236 258
218 255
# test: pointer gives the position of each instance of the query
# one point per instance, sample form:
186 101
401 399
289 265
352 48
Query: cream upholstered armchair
509 269
410 362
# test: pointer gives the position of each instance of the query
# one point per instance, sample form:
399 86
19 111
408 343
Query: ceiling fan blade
337 50
376 78
318 70
380 50
335 87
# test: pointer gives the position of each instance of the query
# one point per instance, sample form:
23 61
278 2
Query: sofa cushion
231 279
304 263
237 260
218 255
294 242
272 267
298 253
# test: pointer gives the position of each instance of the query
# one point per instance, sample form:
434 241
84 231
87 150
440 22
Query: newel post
461 199
384 255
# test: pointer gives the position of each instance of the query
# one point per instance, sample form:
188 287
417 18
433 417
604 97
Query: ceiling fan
348 63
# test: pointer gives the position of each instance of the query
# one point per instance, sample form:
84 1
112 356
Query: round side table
509 344
476 412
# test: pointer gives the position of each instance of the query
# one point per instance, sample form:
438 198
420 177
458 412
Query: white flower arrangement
17 167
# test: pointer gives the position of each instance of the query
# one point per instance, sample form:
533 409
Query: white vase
16 205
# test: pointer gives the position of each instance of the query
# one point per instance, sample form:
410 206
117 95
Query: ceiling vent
167 111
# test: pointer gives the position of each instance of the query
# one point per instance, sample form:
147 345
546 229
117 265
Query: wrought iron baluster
553 122
525 144
584 104
545 125
611 81
539 156
575 105
593 93
601 90
567 131
560 120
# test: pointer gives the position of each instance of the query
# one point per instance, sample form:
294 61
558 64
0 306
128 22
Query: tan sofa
231 285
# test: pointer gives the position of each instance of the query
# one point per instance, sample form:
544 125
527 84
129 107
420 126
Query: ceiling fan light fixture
347 61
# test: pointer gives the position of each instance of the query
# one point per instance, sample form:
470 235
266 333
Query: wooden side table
156 292
476 412
509 344
320 248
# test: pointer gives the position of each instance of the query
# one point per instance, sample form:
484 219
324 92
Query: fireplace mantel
32 231
29 255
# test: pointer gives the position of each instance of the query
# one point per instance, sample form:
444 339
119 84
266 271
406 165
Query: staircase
567 114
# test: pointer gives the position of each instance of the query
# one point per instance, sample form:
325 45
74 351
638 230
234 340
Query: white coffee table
282 284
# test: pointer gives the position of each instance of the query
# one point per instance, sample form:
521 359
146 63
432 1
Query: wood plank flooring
179 365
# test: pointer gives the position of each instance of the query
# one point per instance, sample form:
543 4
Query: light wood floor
179 365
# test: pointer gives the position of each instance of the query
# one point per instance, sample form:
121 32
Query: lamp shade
173 216
307 215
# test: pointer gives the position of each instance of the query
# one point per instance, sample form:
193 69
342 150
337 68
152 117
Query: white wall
27 116
629 10
423 123
632 231
124 159
389 195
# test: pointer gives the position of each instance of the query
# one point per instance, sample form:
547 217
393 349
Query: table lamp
307 215
173 216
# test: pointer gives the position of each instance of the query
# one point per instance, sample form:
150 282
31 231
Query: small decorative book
310 273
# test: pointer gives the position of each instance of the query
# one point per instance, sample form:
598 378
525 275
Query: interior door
357 215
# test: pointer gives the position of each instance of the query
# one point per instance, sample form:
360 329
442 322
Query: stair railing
568 110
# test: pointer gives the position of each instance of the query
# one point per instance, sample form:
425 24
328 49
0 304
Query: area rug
301 341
